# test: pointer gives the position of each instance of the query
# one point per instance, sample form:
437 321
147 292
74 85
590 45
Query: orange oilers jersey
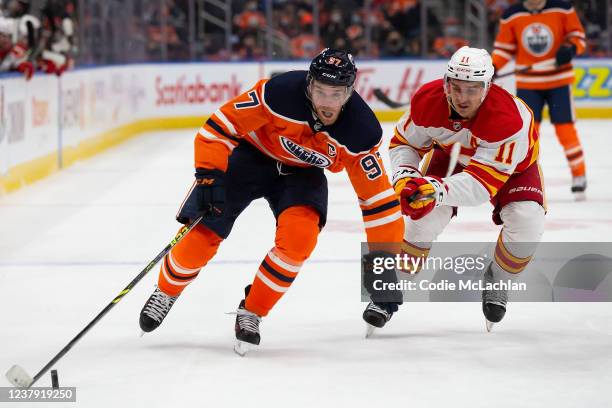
275 117
535 37
499 141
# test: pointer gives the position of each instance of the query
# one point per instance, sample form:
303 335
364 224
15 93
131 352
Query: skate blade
19 377
369 330
581 196
142 333
242 347
489 325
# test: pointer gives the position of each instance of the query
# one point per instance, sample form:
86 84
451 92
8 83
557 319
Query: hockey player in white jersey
497 163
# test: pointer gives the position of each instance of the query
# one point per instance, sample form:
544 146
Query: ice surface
71 242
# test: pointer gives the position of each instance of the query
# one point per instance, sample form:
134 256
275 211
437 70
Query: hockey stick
20 378
548 63
381 96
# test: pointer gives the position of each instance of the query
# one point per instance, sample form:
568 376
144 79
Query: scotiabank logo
194 91
306 155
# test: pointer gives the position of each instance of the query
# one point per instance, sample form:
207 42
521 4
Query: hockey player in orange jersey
497 163
275 141
536 31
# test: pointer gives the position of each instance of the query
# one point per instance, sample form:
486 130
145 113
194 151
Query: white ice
70 243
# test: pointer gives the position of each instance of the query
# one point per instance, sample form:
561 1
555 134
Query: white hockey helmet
470 64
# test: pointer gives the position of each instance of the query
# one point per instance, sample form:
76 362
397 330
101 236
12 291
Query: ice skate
493 302
246 327
155 310
375 316
579 185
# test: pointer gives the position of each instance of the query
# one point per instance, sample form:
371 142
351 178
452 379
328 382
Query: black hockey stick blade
381 96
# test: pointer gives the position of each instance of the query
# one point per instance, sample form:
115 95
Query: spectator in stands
452 39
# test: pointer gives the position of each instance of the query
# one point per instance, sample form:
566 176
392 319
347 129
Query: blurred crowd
44 42
44 37
379 28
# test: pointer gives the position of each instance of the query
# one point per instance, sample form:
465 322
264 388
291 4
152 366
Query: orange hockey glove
421 195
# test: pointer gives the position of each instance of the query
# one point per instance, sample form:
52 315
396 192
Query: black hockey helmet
333 67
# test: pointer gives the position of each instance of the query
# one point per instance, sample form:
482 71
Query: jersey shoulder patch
357 128
429 106
498 117
285 95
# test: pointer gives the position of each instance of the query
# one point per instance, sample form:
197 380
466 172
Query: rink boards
49 123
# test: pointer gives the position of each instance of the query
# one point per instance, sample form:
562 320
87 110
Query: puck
54 379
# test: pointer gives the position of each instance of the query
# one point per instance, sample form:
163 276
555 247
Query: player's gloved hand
565 53
421 195
402 176
27 69
210 190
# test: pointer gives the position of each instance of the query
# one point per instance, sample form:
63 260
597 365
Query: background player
274 141
498 162
533 31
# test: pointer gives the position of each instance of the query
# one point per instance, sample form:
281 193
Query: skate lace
374 307
159 305
498 297
248 321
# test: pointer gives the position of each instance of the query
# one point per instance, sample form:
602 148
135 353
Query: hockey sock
182 265
296 238
413 257
568 137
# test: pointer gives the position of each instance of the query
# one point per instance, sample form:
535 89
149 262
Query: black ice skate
246 327
376 315
155 310
579 185
493 302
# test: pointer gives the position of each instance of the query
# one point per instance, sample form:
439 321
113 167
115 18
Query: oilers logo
306 155
537 39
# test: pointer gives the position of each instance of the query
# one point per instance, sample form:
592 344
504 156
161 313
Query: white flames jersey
499 141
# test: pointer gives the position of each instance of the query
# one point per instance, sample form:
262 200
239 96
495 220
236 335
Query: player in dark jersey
274 141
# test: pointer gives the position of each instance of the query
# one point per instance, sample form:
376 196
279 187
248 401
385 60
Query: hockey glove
210 191
565 53
421 195
402 176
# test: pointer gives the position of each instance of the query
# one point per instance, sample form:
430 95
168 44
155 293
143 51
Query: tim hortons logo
306 155
411 80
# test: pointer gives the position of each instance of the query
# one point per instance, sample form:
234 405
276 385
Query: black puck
54 379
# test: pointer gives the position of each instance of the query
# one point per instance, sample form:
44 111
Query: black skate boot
493 302
246 327
376 315
155 310
579 185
